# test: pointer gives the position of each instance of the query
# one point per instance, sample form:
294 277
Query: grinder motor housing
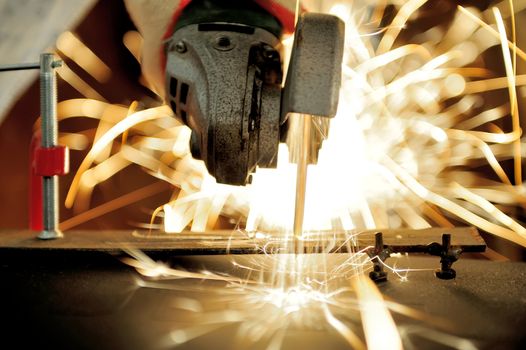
224 80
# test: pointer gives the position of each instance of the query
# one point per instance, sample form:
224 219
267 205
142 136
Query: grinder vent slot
184 93
173 87
180 98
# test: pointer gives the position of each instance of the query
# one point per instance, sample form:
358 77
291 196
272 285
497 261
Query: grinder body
224 80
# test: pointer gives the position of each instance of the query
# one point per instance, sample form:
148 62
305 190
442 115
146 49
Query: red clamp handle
43 162
51 161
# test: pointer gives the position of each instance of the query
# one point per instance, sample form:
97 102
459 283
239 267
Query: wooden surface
236 242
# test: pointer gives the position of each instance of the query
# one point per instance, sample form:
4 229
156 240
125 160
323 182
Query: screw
269 52
180 47
223 43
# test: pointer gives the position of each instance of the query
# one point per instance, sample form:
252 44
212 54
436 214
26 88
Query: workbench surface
91 300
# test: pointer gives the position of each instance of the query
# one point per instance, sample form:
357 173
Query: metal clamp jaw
223 80
49 160
448 255
379 254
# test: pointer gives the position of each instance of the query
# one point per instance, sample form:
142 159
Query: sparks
404 151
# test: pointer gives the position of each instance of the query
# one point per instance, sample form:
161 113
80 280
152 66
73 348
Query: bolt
445 274
378 242
48 110
269 52
448 257
378 274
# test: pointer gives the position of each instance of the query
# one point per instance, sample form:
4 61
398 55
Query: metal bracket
378 255
448 255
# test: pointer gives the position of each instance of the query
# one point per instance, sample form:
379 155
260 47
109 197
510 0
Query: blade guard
314 74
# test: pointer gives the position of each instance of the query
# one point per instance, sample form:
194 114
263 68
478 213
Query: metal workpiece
49 132
224 83
301 180
219 242
314 73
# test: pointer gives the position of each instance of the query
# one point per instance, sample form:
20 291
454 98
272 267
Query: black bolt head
445 274
378 276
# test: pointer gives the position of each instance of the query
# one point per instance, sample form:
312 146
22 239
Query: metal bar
19 66
301 181
48 109
239 242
